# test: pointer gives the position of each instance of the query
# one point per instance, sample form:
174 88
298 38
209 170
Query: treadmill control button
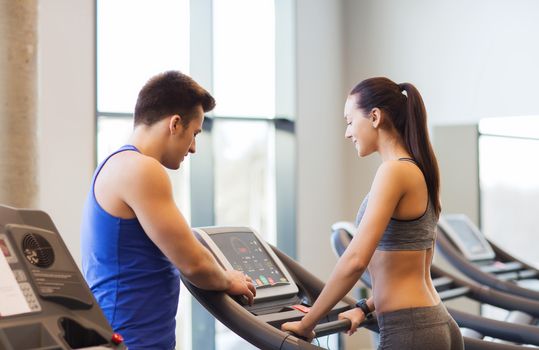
301 308
117 338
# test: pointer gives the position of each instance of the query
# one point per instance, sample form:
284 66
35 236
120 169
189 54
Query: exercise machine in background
470 252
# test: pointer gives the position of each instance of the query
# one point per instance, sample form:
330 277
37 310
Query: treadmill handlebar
327 328
456 259
323 329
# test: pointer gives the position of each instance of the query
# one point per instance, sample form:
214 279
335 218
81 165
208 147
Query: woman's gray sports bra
416 234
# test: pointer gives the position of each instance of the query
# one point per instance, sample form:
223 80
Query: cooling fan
37 250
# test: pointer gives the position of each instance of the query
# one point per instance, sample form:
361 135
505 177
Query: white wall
469 59
323 176
66 112
320 130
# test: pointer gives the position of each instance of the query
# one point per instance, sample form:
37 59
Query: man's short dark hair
171 93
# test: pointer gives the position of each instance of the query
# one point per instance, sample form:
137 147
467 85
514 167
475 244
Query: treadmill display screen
467 235
246 254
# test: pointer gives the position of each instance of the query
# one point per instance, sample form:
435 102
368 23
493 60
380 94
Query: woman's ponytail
416 137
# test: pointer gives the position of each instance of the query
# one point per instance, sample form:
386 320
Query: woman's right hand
356 316
297 328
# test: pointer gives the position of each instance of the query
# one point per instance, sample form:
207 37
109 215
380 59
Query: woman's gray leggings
423 328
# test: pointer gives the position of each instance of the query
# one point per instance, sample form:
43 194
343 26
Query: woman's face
359 128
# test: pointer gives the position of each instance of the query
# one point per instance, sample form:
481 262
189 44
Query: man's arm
148 192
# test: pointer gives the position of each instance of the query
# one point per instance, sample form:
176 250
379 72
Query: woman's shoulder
393 167
398 175
390 175
399 167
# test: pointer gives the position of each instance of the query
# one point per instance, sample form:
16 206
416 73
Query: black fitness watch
362 304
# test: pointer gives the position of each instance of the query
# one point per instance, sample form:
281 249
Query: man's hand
356 316
241 284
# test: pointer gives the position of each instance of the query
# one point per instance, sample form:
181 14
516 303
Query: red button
301 308
117 338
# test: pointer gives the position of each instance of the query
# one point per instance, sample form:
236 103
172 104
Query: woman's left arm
385 194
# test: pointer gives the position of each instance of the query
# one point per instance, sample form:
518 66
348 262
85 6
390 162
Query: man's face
185 141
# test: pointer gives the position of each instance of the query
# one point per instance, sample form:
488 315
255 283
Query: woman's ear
376 117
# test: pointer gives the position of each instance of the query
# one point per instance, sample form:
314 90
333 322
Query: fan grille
37 250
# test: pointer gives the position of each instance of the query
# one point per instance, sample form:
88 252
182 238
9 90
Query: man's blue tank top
135 284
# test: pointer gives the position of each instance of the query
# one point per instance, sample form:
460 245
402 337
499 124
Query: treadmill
518 328
470 252
284 291
45 304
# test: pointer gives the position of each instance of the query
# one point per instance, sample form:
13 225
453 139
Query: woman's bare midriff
401 280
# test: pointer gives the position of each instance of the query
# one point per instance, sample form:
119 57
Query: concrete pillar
18 101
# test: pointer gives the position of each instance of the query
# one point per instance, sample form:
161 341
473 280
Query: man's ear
376 117
174 124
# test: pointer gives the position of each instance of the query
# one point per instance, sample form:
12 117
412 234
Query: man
134 238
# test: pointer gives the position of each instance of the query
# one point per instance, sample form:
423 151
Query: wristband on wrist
362 304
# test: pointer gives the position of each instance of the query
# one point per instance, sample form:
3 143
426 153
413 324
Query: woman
396 225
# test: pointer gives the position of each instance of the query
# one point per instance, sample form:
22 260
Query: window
137 39
509 183
244 58
244 163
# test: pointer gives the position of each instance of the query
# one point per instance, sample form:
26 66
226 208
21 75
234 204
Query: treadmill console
242 249
44 300
467 237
